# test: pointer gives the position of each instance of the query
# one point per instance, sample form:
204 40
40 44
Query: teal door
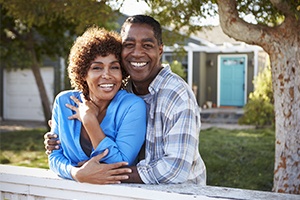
232 81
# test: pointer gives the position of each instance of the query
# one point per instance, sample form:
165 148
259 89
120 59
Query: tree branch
237 28
282 6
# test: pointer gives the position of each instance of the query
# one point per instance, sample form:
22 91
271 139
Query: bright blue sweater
124 126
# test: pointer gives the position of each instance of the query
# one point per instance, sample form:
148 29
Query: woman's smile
104 78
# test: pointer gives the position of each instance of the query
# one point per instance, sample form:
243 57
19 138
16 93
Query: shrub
178 69
259 110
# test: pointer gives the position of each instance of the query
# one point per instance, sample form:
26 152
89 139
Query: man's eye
148 46
127 45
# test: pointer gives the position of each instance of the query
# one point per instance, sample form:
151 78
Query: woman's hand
95 172
84 109
87 112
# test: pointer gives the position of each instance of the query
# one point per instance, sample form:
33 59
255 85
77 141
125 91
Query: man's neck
140 88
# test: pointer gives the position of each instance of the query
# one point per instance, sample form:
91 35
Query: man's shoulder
173 86
174 82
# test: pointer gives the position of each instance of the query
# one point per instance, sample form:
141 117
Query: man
172 138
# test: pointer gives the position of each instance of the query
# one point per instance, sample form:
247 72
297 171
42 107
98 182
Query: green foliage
178 69
46 29
259 110
32 31
263 86
178 14
188 15
259 113
239 158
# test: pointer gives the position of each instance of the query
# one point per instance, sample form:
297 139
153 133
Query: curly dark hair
95 41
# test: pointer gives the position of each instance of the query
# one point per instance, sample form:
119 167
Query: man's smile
138 64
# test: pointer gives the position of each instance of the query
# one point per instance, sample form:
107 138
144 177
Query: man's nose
138 51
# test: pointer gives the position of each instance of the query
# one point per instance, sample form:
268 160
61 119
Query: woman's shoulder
124 96
125 101
67 94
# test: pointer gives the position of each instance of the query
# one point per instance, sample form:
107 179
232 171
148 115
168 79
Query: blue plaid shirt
172 138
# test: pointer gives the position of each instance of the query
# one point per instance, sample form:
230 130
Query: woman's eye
95 67
116 67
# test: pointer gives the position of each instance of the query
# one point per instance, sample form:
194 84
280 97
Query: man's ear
161 50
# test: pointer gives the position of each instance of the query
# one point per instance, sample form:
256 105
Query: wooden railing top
36 183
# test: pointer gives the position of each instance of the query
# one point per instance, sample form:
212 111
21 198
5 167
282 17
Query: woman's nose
105 75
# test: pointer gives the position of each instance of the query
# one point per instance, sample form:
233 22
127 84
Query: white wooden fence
23 183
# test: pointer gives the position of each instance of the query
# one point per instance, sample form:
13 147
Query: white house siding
21 96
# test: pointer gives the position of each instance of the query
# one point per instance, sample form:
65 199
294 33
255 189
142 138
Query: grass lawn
233 158
24 148
239 158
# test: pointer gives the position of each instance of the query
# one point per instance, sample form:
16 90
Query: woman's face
104 78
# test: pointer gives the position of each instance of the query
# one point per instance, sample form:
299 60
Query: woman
98 115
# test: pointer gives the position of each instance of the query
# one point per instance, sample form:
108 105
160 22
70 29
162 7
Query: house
220 69
19 95
220 73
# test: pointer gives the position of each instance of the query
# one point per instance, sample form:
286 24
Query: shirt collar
160 77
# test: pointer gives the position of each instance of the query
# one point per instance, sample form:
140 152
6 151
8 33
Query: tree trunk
42 91
287 113
282 45
285 61
39 81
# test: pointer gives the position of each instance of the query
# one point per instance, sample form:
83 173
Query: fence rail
41 184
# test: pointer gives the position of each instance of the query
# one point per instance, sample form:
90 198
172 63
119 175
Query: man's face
141 53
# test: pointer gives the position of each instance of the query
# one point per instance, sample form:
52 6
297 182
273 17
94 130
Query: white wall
21 96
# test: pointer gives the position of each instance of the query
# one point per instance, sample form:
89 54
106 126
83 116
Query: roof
215 35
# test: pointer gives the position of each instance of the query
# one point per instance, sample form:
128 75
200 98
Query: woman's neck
101 105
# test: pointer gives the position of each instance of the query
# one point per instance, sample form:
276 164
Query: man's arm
133 177
175 151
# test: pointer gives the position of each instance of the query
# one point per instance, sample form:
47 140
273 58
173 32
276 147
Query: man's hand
95 172
133 177
51 142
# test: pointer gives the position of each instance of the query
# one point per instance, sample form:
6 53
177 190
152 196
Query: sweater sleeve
130 134
58 162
